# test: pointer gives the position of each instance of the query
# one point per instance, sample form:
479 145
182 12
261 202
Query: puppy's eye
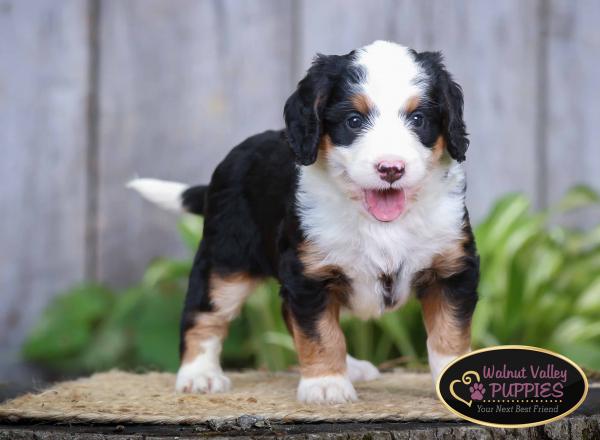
417 119
354 122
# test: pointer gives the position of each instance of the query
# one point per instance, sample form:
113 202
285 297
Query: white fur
326 390
392 74
203 374
330 197
347 236
437 362
392 80
164 193
358 370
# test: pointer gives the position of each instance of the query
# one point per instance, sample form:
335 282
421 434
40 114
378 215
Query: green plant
540 281
540 285
92 327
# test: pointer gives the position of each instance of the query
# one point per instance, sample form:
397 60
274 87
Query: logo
512 386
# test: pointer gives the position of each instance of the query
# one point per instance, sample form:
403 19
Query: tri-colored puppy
357 203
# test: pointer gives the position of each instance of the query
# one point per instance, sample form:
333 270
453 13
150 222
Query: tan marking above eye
411 105
362 103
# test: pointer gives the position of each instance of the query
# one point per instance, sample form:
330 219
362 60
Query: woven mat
118 397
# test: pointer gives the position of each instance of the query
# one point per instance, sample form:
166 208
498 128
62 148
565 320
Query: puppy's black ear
449 96
454 124
303 110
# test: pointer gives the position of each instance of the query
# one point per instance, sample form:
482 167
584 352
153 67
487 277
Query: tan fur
443 265
227 296
445 333
412 104
325 144
312 260
325 354
362 103
450 262
439 148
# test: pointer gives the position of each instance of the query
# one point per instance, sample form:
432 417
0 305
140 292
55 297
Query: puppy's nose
390 170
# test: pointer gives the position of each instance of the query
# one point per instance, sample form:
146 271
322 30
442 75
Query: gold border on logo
507 347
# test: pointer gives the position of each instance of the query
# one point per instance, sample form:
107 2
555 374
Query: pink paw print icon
477 391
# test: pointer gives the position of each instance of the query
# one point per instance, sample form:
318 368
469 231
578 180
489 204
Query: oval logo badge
512 386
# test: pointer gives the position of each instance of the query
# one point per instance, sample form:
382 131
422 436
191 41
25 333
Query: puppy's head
381 119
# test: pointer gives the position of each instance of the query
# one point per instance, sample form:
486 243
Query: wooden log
570 428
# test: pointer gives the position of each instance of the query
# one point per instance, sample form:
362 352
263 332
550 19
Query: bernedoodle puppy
358 202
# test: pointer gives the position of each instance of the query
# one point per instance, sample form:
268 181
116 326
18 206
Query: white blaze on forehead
392 75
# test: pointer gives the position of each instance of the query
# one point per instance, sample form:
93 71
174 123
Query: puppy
357 203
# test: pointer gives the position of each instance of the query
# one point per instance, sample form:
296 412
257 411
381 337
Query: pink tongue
385 205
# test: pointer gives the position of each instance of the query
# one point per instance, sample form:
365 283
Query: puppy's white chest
381 268
380 259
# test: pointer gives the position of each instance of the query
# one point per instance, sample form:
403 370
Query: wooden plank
573 128
338 26
180 84
43 91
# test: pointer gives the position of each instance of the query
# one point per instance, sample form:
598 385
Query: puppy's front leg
448 304
321 351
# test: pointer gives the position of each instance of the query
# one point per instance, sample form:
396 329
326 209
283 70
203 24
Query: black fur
304 110
194 199
197 299
447 98
243 211
461 288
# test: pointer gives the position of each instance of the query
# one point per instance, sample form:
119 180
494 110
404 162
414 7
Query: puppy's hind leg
212 303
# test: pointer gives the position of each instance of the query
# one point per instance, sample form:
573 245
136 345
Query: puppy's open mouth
385 205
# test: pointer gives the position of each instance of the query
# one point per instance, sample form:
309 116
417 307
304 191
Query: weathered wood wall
44 86
94 92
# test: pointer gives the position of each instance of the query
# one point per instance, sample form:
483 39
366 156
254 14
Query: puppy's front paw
192 379
360 370
437 362
326 390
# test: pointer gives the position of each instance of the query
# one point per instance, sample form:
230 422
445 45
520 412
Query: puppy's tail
172 196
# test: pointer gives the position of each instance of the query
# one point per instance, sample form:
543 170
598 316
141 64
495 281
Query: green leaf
283 340
67 326
165 270
398 333
585 354
498 224
580 196
155 333
588 302
190 230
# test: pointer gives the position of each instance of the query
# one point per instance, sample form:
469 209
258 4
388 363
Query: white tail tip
164 193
